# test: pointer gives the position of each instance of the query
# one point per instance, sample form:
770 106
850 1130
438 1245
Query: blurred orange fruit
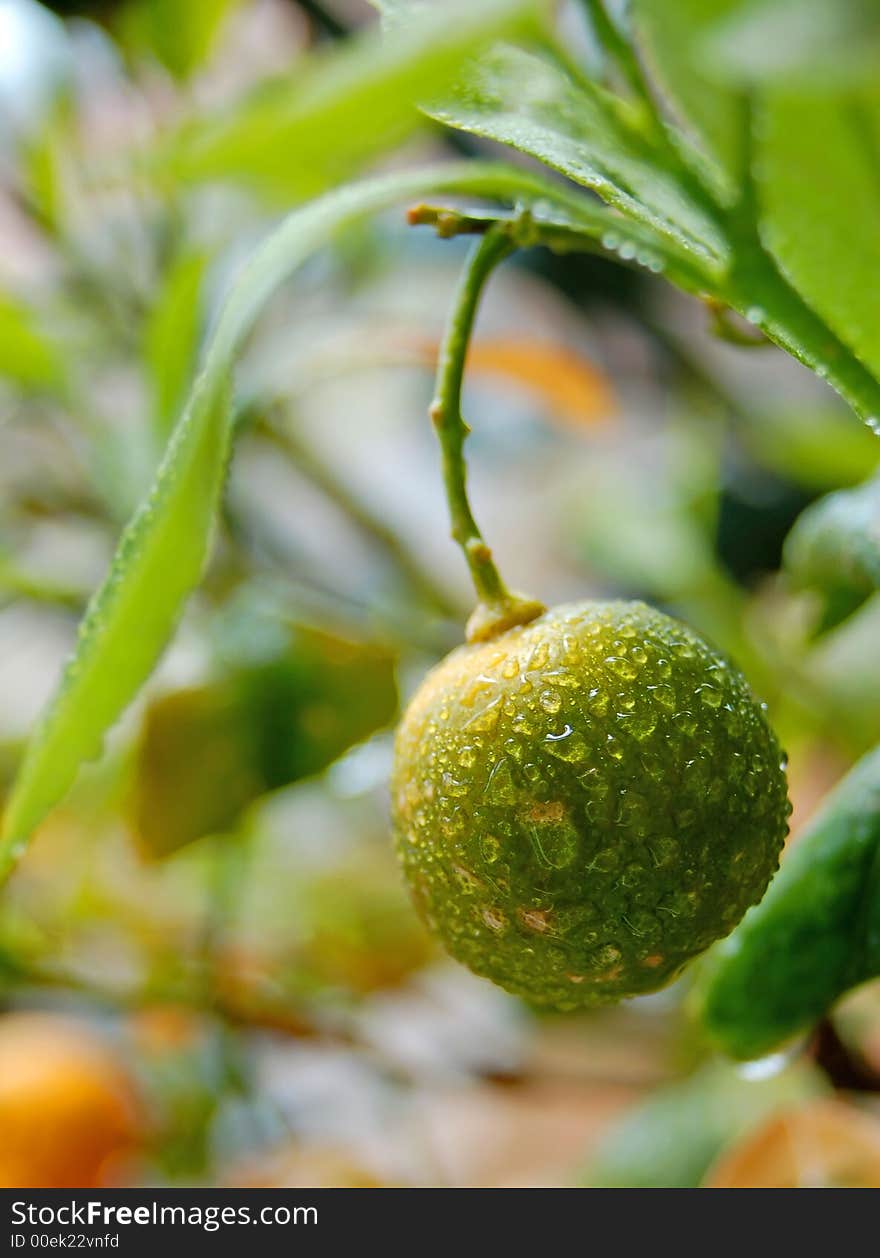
573 391
827 1144
67 1107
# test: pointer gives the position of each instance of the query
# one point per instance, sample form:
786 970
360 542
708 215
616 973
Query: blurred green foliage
672 1139
142 160
291 704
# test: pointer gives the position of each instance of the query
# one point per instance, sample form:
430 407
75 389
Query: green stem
498 608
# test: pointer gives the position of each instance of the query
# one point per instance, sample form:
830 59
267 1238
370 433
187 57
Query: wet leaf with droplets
530 104
816 165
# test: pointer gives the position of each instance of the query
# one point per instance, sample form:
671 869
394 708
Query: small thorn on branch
727 325
478 550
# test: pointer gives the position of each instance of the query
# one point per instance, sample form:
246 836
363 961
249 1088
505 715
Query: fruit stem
498 608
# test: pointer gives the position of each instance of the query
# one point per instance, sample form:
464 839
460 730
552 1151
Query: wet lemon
584 803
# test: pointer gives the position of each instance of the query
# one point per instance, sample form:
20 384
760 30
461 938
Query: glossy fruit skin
586 802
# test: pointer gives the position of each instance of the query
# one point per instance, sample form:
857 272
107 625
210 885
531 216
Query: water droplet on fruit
490 848
500 788
641 726
454 787
566 745
686 721
598 701
664 695
539 656
622 667
486 719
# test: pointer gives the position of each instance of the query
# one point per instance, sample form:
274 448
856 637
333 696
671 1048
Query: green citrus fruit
584 803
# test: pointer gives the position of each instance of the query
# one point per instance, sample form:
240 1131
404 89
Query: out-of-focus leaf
815 934
162 551
816 165
357 931
671 1139
834 548
571 389
17 582
180 36
394 12
28 358
41 160
825 1144
329 116
819 448
529 103
207 752
172 338
315 700
194 769
640 523
810 41
672 34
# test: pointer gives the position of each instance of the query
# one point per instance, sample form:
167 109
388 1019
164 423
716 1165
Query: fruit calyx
489 619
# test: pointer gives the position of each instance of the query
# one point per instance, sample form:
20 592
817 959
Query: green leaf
672 36
812 937
28 358
819 447
341 107
530 104
818 184
764 297
41 161
163 549
207 752
180 36
194 769
171 338
812 42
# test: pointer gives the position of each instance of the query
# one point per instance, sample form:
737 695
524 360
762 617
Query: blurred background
210 973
